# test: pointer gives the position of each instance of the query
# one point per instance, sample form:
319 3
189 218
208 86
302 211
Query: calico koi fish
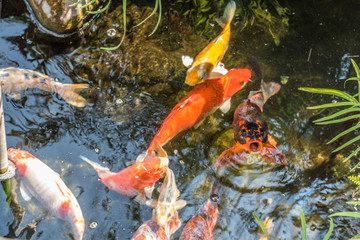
13 80
151 230
167 204
136 180
41 182
202 223
212 54
200 102
251 131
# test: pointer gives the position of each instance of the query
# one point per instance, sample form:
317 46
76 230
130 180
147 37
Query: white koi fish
41 182
13 80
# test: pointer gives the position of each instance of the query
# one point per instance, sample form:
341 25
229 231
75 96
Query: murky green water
127 107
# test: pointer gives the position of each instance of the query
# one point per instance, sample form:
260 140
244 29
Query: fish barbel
13 80
41 182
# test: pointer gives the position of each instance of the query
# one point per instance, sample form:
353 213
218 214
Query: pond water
125 111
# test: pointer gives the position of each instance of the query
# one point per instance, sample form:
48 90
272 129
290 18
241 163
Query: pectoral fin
226 106
25 192
231 156
14 95
151 203
180 204
271 154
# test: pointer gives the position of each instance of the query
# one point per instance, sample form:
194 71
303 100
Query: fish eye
242 141
214 197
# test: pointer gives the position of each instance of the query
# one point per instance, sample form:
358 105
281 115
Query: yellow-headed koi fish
14 80
210 56
41 182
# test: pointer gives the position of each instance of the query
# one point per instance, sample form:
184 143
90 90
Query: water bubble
323 197
97 150
334 101
111 32
93 225
313 227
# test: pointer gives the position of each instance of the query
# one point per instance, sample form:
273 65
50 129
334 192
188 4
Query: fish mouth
254 147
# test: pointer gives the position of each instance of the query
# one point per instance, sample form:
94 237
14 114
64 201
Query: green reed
352 106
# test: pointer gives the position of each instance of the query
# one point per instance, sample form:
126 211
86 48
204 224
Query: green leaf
347 143
345 214
356 68
152 13
344 132
89 3
351 155
303 224
351 79
159 18
356 202
339 120
262 225
355 237
78 2
329 105
330 92
101 10
331 228
337 114
355 167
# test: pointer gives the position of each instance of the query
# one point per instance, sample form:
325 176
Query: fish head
251 134
173 225
20 158
198 73
237 79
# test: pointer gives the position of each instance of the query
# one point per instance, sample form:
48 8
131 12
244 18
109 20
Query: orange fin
69 93
266 91
271 154
231 156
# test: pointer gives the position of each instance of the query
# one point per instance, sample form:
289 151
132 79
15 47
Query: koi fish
13 80
212 54
41 182
202 223
151 230
251 131
200 102
136 180
167 204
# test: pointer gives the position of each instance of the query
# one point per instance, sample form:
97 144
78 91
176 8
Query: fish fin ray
266 91
140 198
180 204
225 107
231 156
149 190
228 15
271 154
151 203
69 93
187 60
26 195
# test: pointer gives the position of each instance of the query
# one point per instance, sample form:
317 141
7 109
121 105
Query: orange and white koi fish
202 223
136 180
210 56
41 182
200 102
151 230
251 131
13 80
168 203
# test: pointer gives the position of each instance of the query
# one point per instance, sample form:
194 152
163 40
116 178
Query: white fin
140 198
187 61
14 95
94 164
180 204
24 192
228 15
141 157
148 191
151 203
226 106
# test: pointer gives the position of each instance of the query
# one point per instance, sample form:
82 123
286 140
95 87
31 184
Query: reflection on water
122 117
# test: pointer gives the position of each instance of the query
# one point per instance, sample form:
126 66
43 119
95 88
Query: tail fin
228 15
69 92
102 171
231 156
266 91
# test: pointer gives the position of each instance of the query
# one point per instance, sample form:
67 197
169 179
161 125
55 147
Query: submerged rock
59 17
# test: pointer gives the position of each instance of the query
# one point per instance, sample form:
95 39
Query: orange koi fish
135 180
13 80
203 100
210 56
251 131
151 230
168 203
41 182
202 223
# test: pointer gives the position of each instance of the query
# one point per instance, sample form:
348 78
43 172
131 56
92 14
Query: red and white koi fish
13 80
151 230
251 131
135 180
41 182
200 102
202 223
167 204
210 56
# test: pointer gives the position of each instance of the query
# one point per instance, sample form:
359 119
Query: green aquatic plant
262 225
352 104
157 6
